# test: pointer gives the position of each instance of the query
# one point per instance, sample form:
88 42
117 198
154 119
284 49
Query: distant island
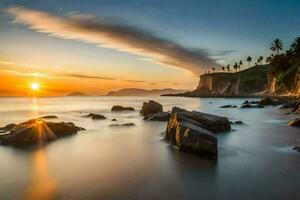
143 92
77 94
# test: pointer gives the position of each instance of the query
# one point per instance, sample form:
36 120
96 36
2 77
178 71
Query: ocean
104 162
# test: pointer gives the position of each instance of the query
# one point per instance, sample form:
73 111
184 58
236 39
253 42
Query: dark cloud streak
117 36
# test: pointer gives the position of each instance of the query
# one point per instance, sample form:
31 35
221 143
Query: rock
267 101
228 106
151 107
246 102
296 122
254 102
95 116
239 122
190 137
38 131
121 108
236 122
48 117
125 124
210 122
287 105
295 148
8 127
252 106
113 120
296 109
160 116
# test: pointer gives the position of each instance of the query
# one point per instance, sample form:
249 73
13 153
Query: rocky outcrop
37 132
192 131
151 107
117 108
249 82
160 116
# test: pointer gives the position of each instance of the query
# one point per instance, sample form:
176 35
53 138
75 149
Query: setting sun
35 86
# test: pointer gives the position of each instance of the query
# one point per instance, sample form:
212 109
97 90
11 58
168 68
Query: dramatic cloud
116 36
89 77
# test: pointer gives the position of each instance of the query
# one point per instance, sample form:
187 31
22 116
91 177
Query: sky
100 45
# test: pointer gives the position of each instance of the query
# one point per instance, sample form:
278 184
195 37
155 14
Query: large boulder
37 131
190 137
160 116
117 108
151 107
210 122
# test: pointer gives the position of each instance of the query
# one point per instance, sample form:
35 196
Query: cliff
286 82
250 82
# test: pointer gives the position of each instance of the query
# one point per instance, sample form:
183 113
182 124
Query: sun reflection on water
41 185
34 107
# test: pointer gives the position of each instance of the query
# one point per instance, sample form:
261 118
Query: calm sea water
104 162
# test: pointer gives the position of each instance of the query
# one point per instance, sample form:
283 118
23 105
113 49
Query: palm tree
214 69
223 69
228 67
249 59
260 59
276 45
268 59
296 46
241 64
235 66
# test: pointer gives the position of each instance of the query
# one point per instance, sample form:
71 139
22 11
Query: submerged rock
228 106
191 137
125 124
151 107
287 105
48 117
296 122
95 116
246 102
121 108
160 116
237 122
251 106
295 148
38 131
